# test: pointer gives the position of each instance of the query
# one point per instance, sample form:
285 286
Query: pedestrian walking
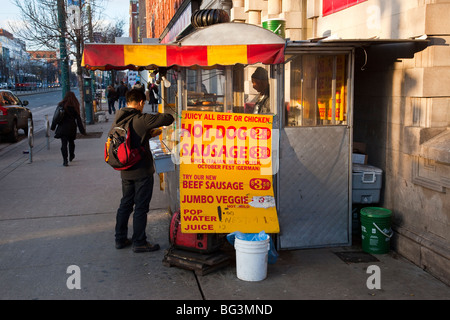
112 96
137 181
121 92
138 85
152 96
66 128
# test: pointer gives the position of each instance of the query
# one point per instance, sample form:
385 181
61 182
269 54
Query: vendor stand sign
226 180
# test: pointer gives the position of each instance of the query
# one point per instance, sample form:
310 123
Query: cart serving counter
223 83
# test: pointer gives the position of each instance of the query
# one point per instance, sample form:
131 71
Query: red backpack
118 151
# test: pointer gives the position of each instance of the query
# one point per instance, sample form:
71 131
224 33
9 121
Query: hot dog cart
286 170
218 159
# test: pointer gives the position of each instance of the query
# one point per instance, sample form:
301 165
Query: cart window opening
205 90
234 89
168 99
257 92
171 90
316 90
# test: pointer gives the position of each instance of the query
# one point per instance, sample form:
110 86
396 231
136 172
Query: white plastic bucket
251 259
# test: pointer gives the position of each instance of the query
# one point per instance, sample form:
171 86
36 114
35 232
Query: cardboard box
359 153
359 147
359 158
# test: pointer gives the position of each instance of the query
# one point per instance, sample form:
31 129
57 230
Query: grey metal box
366 183
161 157
163 163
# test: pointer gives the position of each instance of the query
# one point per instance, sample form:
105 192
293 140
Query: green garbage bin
376 230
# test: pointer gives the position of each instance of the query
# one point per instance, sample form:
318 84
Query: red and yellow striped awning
143 56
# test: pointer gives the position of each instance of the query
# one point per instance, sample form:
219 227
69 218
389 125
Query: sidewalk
52 217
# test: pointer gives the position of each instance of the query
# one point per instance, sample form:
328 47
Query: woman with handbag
66 125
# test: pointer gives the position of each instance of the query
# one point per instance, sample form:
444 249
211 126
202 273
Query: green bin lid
375 212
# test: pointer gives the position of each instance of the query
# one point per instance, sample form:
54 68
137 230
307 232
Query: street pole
64 64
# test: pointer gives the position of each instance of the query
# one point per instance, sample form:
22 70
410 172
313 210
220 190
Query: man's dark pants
137 193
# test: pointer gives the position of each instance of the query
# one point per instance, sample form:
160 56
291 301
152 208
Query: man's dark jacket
122 90
140 128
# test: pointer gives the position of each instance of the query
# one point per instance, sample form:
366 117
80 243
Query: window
237 89
9 99
316 90
205 90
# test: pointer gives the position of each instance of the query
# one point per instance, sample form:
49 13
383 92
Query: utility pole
64 63
91 40
92 74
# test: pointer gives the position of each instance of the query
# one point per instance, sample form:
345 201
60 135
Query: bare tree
40 28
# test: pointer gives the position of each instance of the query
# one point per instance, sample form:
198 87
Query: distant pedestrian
121 92
137 181
66 129
139 86
152 96
112 96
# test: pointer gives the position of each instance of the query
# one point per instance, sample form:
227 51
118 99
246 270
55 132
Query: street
57 242
41 100
325 124
40 104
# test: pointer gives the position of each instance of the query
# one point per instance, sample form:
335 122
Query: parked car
13 115
3 85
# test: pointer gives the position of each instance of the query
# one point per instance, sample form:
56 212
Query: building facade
402 113
134 20
159 14
401 98
14 57
47 56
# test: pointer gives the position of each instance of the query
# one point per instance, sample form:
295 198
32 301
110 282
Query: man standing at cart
121 92
260 82
137 181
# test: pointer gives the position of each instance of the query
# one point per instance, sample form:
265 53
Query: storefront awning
377 49
400 45
221 44
148 56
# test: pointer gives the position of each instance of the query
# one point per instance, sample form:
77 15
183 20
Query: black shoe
65 163
123 244
71 158
146 247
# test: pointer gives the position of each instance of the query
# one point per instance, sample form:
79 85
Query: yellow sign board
226 173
